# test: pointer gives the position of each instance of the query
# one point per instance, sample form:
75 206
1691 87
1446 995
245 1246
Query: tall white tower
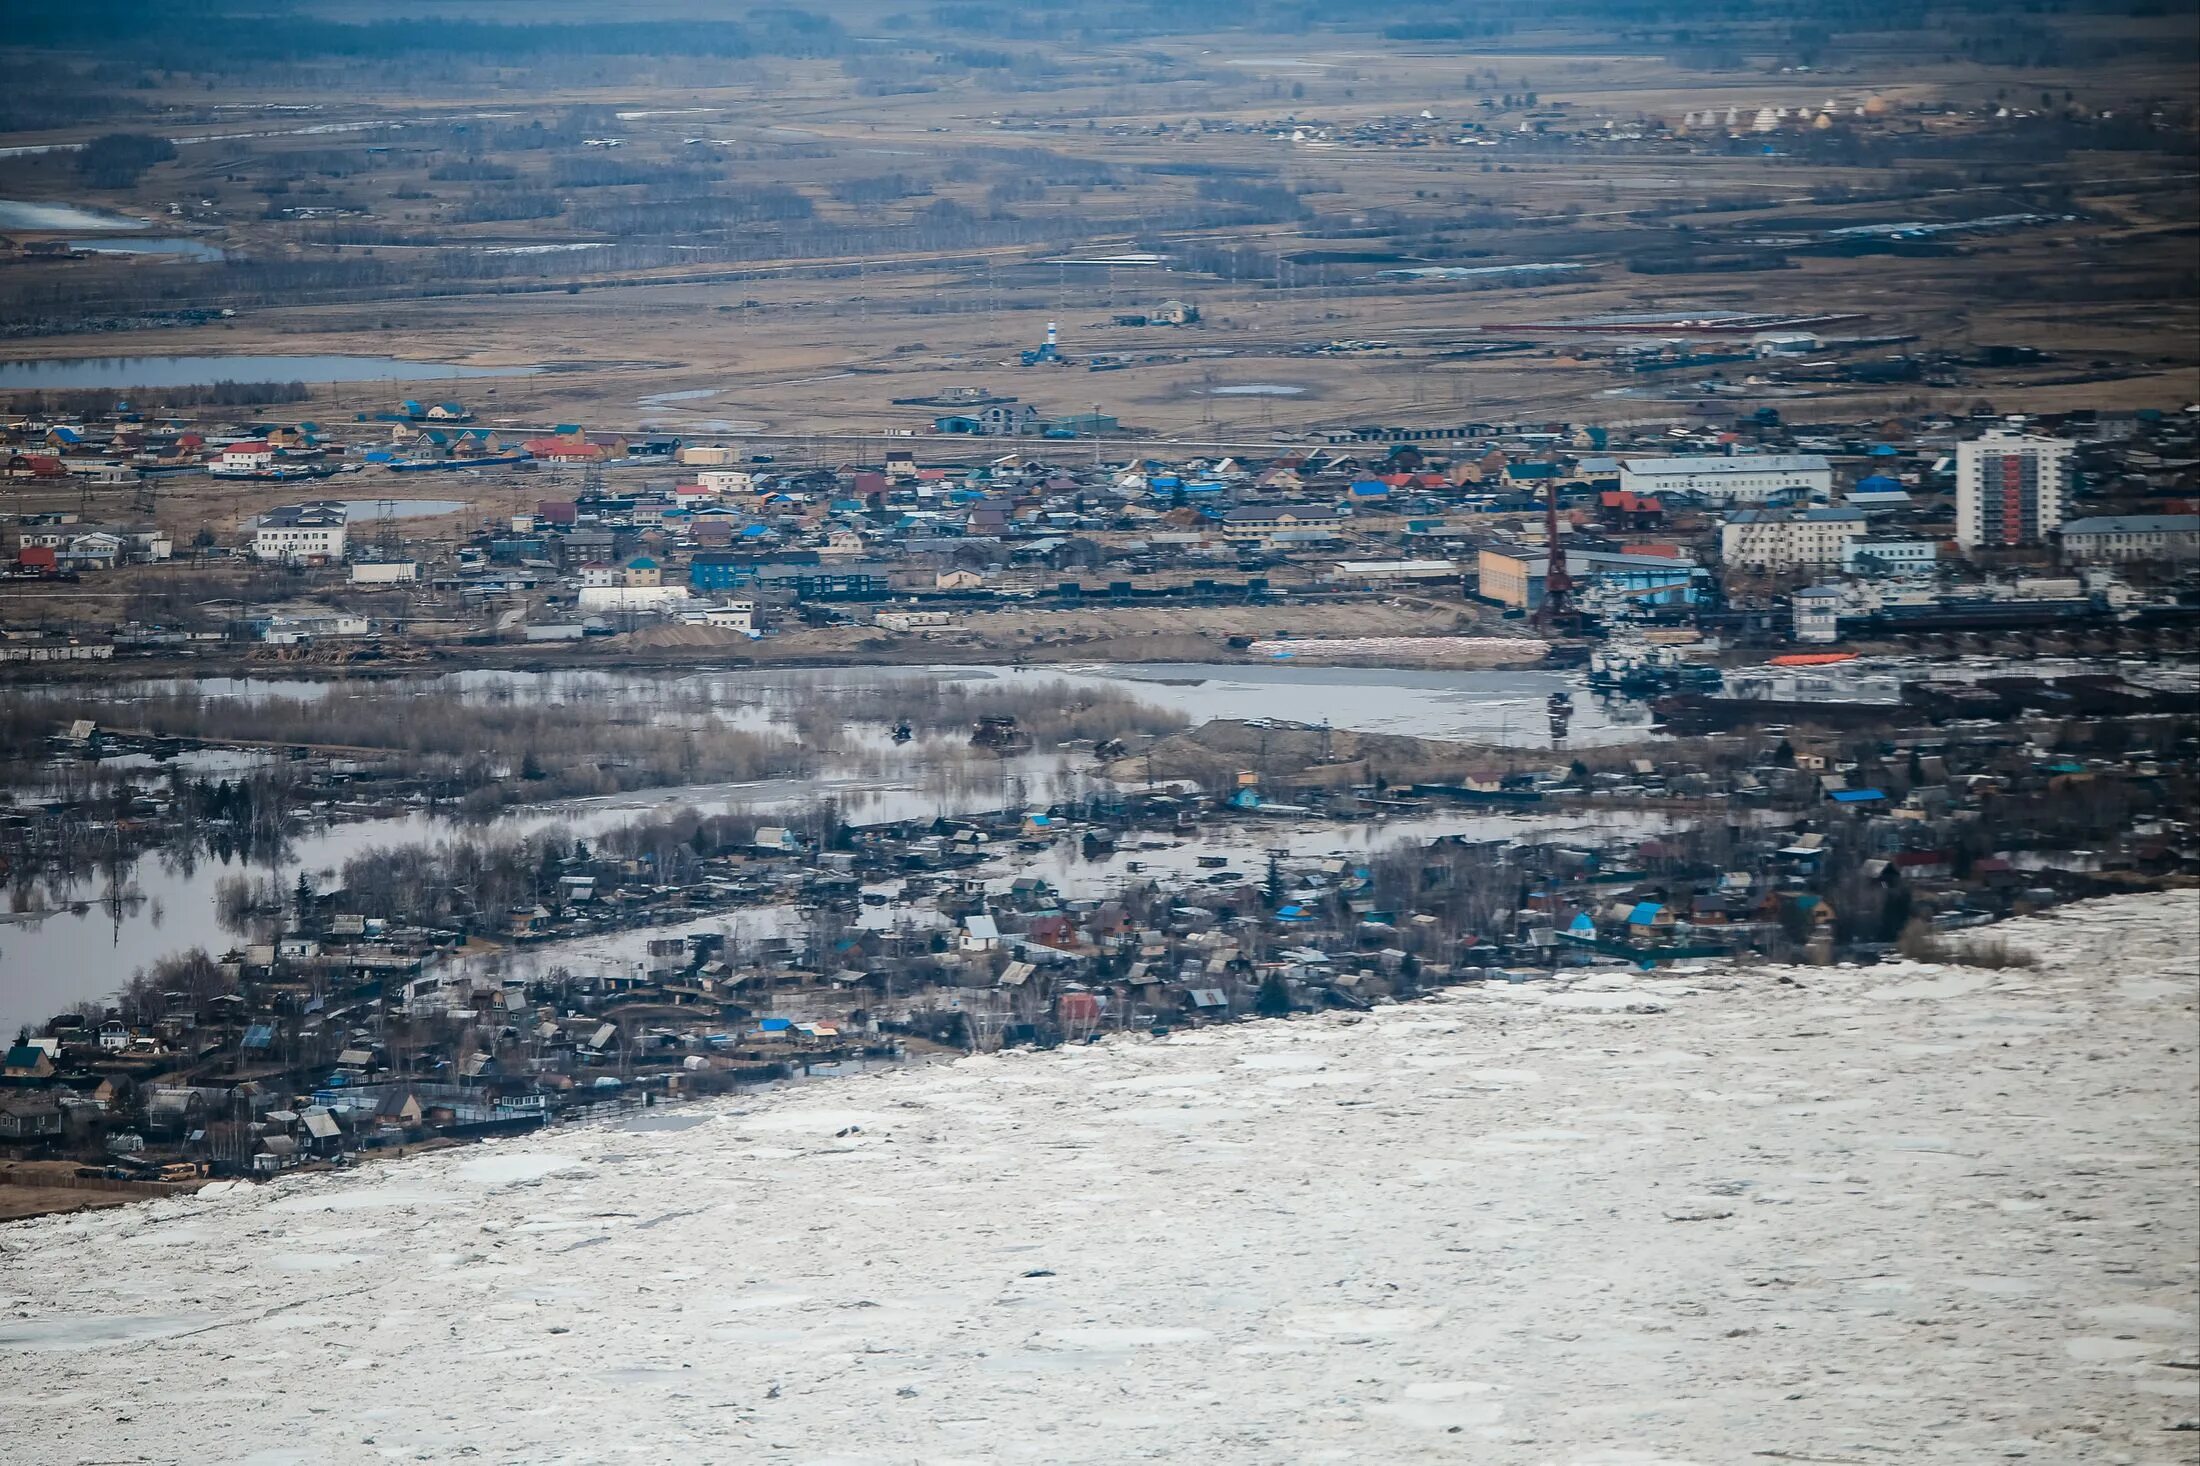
2010 488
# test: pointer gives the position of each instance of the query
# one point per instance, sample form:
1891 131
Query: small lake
202 371
19 214
167 248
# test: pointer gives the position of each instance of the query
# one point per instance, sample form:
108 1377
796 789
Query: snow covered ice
1894 1214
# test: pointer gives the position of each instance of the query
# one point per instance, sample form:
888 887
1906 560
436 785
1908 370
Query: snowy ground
1898 1215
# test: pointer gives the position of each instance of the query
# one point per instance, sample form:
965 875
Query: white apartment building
1818 614
300 534
1891 557
2010 488
726 481
1393 572
2107 538
1775 539
1717 478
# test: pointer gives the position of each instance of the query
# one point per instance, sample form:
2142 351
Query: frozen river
1898 1214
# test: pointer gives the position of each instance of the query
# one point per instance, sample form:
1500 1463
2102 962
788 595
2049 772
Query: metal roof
1711 463
2133 524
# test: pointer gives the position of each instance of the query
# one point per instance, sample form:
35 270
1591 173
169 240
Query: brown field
811 329
1098 633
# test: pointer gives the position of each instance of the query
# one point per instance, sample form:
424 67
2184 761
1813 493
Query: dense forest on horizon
192 34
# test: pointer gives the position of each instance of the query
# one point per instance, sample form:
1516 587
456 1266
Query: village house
29 1115
27 1062
249 457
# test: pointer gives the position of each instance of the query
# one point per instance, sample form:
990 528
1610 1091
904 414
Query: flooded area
1506 708
200 371
166 904
1245 847
1481 707
51 959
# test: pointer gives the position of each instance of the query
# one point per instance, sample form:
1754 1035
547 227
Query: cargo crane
1558 615
1752 574
1558 586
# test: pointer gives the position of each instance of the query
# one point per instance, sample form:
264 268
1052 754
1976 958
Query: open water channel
62 956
